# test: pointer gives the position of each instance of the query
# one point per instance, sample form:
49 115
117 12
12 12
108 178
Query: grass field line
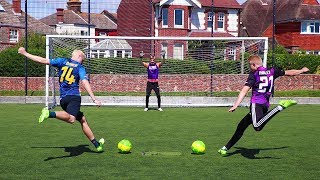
167 101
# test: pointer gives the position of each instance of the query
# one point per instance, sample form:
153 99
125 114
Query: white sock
280 108
224 148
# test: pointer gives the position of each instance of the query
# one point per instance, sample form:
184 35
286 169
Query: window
119 54
83 33
165 17
94 53
178 18
102 33
317 52
221 21
128 54
101 54
13 35
232 52
310 27
210 20
178 51
164 47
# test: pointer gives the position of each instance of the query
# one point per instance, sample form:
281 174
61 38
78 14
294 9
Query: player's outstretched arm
35 58
294 72
87 86
241 96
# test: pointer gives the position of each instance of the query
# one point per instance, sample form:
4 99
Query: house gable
181 2
73 21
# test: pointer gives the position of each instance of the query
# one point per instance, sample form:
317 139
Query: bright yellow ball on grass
124 146
198 147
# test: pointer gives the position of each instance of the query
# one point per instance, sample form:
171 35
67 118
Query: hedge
12 65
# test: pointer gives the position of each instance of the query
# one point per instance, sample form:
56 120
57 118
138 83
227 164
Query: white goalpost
195 72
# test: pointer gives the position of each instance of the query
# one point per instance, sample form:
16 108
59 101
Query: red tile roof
222 3
208 34
8 18
257 17
70 17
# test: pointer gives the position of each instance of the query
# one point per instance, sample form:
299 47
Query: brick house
12 24
297 23
73 21
182 18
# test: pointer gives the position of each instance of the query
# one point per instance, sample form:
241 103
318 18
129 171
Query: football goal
195 70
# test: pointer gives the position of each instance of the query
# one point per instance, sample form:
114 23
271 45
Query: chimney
16 6
59 15
74 5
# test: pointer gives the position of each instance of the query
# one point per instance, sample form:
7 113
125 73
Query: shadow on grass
251 153
73 150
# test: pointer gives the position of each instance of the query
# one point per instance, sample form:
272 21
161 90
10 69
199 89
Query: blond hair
255 59
77 52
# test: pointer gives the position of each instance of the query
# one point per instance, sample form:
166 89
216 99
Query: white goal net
195 69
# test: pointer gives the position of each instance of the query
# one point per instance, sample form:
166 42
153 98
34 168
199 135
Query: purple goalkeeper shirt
153 71
261 81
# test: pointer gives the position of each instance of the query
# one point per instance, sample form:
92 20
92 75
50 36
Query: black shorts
153 86
258 111
71 104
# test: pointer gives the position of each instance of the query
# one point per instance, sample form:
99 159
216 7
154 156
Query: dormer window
1 9
310 27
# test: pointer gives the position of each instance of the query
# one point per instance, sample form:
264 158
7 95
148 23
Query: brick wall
169 83
289 34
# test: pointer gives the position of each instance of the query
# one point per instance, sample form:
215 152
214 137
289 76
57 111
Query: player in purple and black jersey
153 78
261 81
71 73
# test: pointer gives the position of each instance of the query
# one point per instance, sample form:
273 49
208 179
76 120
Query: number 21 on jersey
67 75
264 84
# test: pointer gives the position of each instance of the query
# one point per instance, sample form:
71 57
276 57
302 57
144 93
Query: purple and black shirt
261 81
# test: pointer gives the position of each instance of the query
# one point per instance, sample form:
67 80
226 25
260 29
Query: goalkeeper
71 71
152 83
261 81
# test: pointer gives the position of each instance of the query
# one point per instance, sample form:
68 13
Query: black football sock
95 143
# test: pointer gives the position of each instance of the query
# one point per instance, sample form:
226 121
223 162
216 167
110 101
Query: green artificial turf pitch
287 148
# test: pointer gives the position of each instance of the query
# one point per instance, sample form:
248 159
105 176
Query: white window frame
211 17
232 52
178 55
165 15
13 35
164 46
221 18
309 27
182 19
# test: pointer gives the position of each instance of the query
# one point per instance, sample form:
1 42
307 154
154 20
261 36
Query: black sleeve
278 72
251 80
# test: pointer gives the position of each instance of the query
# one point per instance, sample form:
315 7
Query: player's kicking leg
258 121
